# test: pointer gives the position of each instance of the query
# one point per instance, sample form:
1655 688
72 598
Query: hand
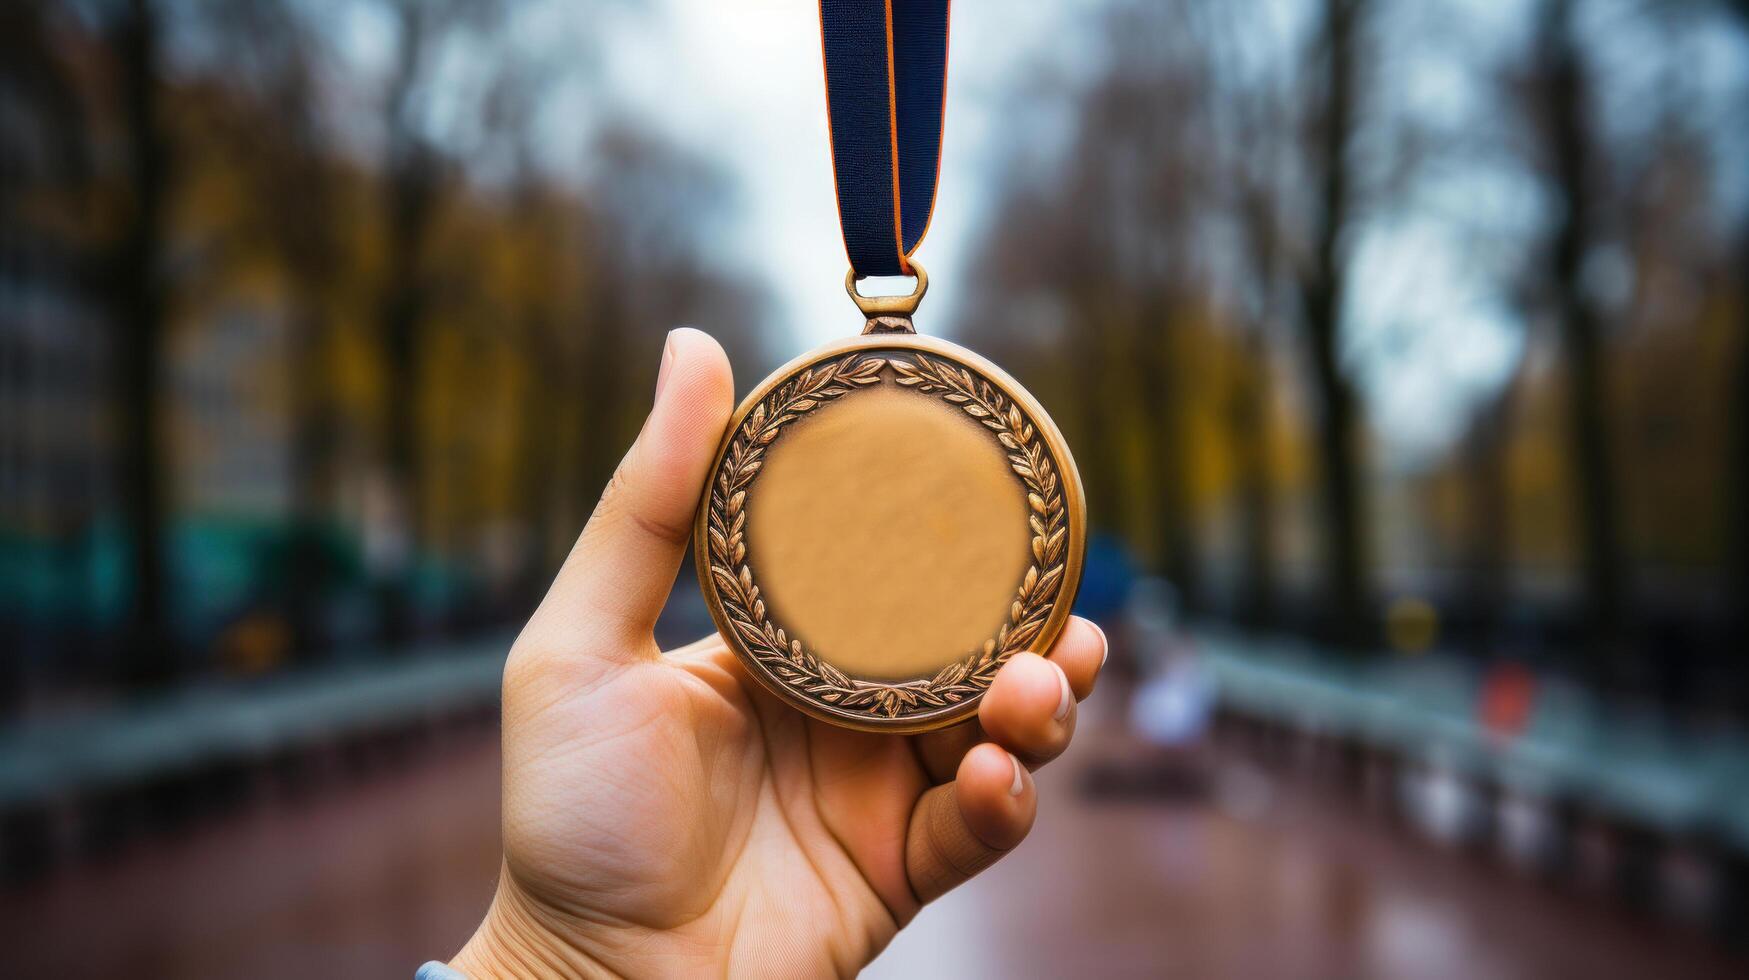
664 814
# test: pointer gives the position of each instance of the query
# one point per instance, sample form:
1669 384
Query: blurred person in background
1175 705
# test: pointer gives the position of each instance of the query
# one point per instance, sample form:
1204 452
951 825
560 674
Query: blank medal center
887 533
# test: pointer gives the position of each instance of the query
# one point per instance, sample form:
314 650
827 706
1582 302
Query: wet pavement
1257 877
367 875
355 875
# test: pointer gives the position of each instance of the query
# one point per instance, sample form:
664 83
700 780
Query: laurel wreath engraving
785 656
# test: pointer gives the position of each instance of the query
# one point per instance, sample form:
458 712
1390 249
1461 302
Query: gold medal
888 519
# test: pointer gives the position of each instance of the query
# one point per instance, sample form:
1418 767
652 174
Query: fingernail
1065 695
1019 785
1104 644
667 359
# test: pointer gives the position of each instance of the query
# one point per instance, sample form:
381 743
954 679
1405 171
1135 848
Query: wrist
515 940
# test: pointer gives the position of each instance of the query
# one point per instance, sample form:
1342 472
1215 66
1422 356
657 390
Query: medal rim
1068 475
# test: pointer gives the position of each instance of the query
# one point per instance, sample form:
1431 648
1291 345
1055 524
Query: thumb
617 577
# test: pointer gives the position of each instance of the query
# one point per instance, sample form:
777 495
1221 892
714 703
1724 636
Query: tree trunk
401 316
1567 90
1249 413
411 186
138 293
1161 400
1489 530
1103 478
312 477
601 384
1340 484
534 467
1322 291
411 193
1249 418
1737 512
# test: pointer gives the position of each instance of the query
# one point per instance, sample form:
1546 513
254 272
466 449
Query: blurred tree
1335 118
413 172
1739 449
500 310
657 208
1111 230
1487 521
139 293
1248 111
543 275
54 145
1147 111
555 234
1249 418
1131 278
46 175
1560 114
1170 263
271 60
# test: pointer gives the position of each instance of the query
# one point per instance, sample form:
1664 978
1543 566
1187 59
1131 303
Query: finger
1081 651
619 573
961 828
940 752
1030 708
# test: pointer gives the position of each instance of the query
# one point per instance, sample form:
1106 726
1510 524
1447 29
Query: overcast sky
1427 328
741 82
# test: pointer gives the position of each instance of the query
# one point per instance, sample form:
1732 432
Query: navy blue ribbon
886 75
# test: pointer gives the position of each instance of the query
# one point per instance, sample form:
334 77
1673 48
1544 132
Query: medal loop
886 77
873 306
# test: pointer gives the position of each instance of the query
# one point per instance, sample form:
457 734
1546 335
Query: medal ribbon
886 79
